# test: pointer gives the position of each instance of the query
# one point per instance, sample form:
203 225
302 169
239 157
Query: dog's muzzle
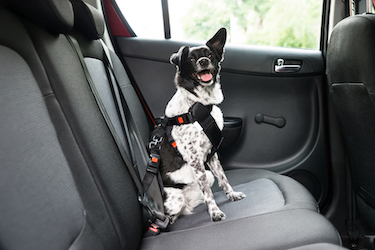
204 71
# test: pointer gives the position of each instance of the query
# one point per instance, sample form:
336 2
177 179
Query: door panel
252 87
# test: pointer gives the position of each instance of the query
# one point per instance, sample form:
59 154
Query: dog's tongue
206 77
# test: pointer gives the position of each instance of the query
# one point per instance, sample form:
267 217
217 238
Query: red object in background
116 25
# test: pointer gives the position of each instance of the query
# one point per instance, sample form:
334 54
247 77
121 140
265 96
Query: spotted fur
197 80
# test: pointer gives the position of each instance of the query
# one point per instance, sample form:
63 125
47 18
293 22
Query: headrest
351 51
88 20
55 16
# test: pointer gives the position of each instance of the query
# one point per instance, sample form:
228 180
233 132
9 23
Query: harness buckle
180 120
155 141
184 119
153 163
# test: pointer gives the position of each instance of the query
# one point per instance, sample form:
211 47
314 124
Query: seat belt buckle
157 221
154 229
161 222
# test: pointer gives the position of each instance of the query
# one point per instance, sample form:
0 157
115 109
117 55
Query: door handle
281 67
276 121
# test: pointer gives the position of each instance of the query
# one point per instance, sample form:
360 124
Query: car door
274 103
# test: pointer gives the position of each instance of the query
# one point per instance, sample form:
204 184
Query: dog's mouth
204 76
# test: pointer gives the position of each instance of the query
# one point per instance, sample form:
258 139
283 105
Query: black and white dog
186 181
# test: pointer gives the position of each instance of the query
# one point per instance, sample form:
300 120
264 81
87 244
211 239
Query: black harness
197 113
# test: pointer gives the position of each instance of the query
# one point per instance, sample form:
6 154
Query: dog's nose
204 62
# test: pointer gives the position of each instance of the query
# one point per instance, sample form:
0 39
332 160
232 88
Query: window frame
324 27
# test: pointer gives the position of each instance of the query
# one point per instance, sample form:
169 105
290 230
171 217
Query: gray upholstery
47 173
92 136
295 195
63 183
350 67
99 77
264 195
278 230
319 246
270 200
31 160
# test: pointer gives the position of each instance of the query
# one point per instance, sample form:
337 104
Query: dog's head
200 66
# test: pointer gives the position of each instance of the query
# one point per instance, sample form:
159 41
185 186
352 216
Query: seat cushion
265 191
295 194
277 230
319 246
276 206
262 196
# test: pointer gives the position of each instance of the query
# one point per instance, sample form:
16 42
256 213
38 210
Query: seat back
351 76
41 206
104 73
62 177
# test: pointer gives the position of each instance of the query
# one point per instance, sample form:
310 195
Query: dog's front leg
223 182
200 175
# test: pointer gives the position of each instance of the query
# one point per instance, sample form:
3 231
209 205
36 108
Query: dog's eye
210 56
192 59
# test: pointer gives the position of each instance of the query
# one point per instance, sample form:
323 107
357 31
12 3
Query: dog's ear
217 42
179 57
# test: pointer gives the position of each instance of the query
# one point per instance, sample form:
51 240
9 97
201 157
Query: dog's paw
235 196
217 216
172 218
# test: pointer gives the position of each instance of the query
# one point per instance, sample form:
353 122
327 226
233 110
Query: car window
288 23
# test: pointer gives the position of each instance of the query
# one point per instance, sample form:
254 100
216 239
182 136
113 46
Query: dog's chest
179 105
218 116
191 140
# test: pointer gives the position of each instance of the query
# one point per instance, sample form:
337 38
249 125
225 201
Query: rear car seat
63 177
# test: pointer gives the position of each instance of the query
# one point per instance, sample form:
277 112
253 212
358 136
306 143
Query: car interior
81 93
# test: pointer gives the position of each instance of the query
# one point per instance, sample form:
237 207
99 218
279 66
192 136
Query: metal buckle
162 223
154 142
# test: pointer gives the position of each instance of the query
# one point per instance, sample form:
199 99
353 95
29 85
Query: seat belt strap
133 134
153 165
120 111
154 217
127 116
106 117
352 220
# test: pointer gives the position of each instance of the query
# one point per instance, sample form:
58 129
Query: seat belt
134 135
154 217
119 107
127 116
352 221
